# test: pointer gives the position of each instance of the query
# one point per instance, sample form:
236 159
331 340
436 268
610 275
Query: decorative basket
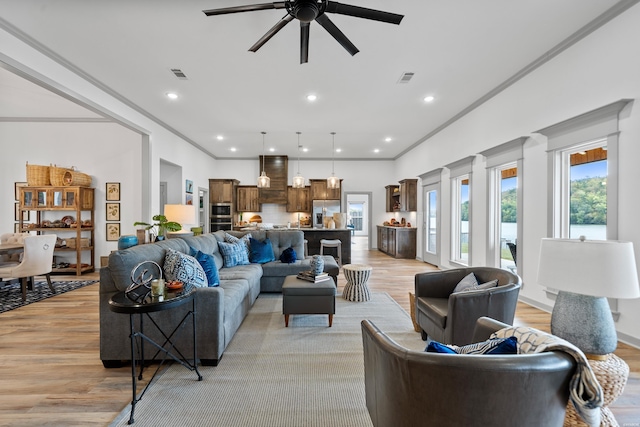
77 179
38 175
57 174
71 242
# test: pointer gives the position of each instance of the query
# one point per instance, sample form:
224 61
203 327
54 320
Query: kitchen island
314 235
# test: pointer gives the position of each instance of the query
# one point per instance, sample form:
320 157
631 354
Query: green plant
162 224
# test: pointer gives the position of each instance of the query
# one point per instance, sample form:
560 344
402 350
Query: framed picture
25 214
189 199
189 186
113 231
113 191
17 186
113 211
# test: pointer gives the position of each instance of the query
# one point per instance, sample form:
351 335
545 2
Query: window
461 211
431 216
583 182
505 190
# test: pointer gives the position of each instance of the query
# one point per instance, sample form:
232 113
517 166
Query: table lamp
182 214
586 273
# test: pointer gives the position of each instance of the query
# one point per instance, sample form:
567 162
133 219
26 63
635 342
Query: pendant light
298 180
263 180
333 182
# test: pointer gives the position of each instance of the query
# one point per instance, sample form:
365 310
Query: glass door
431 226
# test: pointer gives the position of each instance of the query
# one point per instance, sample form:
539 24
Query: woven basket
77 179
56 175
38 175
412 306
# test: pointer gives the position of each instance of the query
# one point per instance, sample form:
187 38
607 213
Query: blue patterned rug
11 294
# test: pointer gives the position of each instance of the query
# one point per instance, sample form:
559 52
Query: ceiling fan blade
247 8
304 42
272 32
363 12
337 34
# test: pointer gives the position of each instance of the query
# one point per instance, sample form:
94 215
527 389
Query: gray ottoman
302 297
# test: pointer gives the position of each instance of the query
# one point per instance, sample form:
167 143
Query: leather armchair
450 318
409 388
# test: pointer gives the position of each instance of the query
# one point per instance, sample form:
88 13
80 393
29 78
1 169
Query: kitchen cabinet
247 199
277 169
222 190
319 190
69 213
398 242
298 199
403 197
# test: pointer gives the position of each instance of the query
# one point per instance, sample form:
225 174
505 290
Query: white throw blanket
585 390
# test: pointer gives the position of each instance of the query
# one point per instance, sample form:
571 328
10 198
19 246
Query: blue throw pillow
288 256
260 252
210 268
491 346
233 254
436 347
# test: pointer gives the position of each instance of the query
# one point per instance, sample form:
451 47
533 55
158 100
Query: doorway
358 207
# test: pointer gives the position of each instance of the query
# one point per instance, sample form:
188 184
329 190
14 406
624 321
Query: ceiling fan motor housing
304 10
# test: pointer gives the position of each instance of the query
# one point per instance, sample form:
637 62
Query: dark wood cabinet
222 190
398 242
403 197
319 190
277 169
298 199
247 199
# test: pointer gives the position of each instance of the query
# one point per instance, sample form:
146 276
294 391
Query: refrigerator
324 209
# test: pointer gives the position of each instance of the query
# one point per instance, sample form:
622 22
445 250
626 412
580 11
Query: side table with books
303 296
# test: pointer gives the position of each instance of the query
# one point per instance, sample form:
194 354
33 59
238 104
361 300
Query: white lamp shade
182 214
599 268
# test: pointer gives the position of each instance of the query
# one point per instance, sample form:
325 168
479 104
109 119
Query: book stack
314 278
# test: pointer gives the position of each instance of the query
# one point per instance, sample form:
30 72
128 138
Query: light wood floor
51 374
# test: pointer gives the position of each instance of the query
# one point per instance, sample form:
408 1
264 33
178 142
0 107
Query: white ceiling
460 51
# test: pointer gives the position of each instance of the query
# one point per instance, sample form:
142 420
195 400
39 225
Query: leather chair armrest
436 284
485 326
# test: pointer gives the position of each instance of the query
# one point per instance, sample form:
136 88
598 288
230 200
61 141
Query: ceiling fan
309 10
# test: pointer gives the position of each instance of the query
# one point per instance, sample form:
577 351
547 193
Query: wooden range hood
277 169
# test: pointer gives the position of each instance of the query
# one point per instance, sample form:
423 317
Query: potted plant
162 224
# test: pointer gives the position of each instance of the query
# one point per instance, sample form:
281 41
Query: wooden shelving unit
51 205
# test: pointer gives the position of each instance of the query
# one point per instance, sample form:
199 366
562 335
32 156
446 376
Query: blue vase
317 264
125 242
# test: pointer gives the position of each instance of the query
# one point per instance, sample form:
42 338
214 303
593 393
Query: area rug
11 293
305 375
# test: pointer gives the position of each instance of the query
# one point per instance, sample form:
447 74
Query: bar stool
332 243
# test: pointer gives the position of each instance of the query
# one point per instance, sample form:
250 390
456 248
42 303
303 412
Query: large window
461 211
504 183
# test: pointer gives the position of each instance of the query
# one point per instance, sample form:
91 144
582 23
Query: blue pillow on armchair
491 346
260 252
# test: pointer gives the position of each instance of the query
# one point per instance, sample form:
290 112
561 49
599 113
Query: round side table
357 276
612 374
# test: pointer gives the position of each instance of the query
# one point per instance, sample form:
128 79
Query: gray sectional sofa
220 310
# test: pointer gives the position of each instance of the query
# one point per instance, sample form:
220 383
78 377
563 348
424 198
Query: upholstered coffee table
302 297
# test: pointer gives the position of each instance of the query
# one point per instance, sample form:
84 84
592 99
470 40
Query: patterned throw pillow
185 268
491 346
234 254
488 285
230 238
469 281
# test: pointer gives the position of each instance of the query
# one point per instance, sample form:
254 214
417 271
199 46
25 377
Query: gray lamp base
584 321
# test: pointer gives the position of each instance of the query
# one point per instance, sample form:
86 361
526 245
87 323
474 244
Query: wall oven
220 224
221 210
221 217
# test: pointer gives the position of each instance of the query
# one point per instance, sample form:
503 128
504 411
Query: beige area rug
302 376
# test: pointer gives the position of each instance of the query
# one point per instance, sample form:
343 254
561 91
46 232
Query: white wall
599 70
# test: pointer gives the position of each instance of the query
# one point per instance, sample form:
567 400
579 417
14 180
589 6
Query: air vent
405 77
178 73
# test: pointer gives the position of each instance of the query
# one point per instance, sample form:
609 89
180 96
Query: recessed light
305 149
338 150
388 139
272 149
428 98
311 97
376 150
233 149
172 95
219 137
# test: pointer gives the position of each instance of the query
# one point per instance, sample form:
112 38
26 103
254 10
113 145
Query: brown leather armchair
410 388
450 318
